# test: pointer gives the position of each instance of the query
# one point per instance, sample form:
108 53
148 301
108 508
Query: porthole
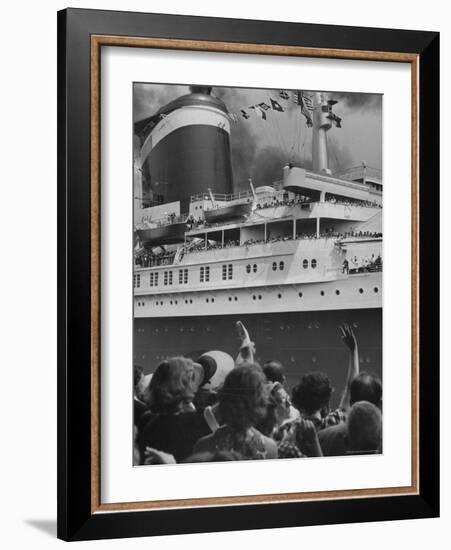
322 293
254 297
305 264
190 301
255 268
259 296
300 294
230 298
186 301
361 290
279 296
207 300
274 266
236 299
376 290
281 266
337 292
248 268
212 299
314 263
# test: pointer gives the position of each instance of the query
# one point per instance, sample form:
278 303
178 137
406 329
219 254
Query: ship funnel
200 90
186 148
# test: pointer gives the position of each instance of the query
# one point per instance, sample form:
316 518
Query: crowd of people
214 408
152 259
326 234
364 264
285 200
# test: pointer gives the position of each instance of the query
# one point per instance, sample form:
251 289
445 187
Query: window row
313 264
204 273
254 297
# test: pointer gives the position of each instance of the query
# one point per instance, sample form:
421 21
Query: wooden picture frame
81 35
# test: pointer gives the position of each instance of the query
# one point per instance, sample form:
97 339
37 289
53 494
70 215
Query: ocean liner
292 260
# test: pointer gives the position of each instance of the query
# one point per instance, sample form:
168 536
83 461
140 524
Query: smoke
242 140
255 149
340 156
148 98
268 166
357 100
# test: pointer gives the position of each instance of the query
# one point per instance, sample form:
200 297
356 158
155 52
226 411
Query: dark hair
364 427
274 371
366 387
242 399
312 393
138 372
172 384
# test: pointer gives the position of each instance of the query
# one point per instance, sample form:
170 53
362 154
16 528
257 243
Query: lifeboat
165 234
230 212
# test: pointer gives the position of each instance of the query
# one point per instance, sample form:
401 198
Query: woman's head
172 386
364 427
313 392
243 397
278 409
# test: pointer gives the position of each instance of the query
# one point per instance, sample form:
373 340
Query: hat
216 365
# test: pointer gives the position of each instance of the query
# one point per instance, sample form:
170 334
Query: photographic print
257 273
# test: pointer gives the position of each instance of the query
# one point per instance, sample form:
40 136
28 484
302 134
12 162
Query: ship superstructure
310 242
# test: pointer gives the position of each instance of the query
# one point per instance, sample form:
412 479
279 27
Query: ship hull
303 340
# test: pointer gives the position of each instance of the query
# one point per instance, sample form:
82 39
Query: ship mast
321 125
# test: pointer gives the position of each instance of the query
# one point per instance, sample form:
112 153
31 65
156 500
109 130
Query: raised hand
350 341
243 334
348 337
247 347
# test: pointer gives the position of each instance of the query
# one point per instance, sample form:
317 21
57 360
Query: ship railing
152 260
220 197
373 267
361 172
170 219
201 246
304 202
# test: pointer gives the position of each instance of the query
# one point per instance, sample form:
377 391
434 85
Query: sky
260 148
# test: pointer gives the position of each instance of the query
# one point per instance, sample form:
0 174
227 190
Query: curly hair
312 393
172 384
243 397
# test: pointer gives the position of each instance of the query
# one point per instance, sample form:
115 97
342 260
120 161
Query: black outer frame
75 520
